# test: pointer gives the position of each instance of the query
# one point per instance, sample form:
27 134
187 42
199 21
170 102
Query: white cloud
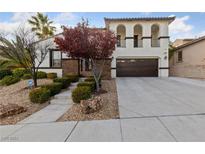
202 33
172 15
8 27
20 19
64 18
22 16
181 29
17 20
180 26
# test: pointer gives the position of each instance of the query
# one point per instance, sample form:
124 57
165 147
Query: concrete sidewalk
152 129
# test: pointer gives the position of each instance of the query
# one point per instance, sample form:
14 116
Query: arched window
138 36
121 34
155 36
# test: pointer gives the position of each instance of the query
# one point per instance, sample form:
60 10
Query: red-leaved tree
87 43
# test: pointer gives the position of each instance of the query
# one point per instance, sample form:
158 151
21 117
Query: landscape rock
10 110
91 105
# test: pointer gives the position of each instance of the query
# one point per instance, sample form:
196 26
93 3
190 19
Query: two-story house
141 50
142 46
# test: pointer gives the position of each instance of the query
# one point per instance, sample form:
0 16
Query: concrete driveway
162 109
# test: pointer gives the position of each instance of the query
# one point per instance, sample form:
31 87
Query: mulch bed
109 109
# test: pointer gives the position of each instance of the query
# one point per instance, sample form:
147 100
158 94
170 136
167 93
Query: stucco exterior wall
146 51
193 64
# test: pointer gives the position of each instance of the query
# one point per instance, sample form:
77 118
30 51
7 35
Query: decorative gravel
108 111
19 94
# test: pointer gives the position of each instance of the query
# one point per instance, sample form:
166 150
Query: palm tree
42 25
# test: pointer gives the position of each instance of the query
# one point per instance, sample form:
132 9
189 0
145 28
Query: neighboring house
188 59
179 42
141 50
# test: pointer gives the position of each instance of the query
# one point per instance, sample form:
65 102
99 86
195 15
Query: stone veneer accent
71 66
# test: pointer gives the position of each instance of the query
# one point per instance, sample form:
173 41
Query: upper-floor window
137 36
118 40
135 41
180 56
121 35
155 42
55 59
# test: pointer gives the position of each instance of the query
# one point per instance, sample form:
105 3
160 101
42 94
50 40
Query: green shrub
5 72
88 84
54 88
19 72
73 78
39 95
41 75
8 80
81 93
65 82
26 76
91 78
51 75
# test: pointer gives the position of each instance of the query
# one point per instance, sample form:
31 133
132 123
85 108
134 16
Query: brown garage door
137 67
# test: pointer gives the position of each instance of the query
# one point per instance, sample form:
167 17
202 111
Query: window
118 40
180 56
155 30
55 59
135 40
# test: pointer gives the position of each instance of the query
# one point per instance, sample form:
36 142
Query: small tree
25 50
83 42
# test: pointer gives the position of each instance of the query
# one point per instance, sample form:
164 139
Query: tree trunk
97 86
35 79
35 82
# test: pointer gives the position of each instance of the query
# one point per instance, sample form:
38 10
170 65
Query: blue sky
186 25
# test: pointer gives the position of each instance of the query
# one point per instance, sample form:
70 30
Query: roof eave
170 19
190 43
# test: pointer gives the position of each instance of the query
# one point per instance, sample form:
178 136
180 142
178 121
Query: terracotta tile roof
140 19
191 42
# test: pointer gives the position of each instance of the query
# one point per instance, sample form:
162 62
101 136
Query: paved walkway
57 107
151 109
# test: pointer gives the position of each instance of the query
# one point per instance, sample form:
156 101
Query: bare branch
24 50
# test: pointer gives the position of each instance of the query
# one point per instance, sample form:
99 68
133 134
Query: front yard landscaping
109 108
19 101
18 93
